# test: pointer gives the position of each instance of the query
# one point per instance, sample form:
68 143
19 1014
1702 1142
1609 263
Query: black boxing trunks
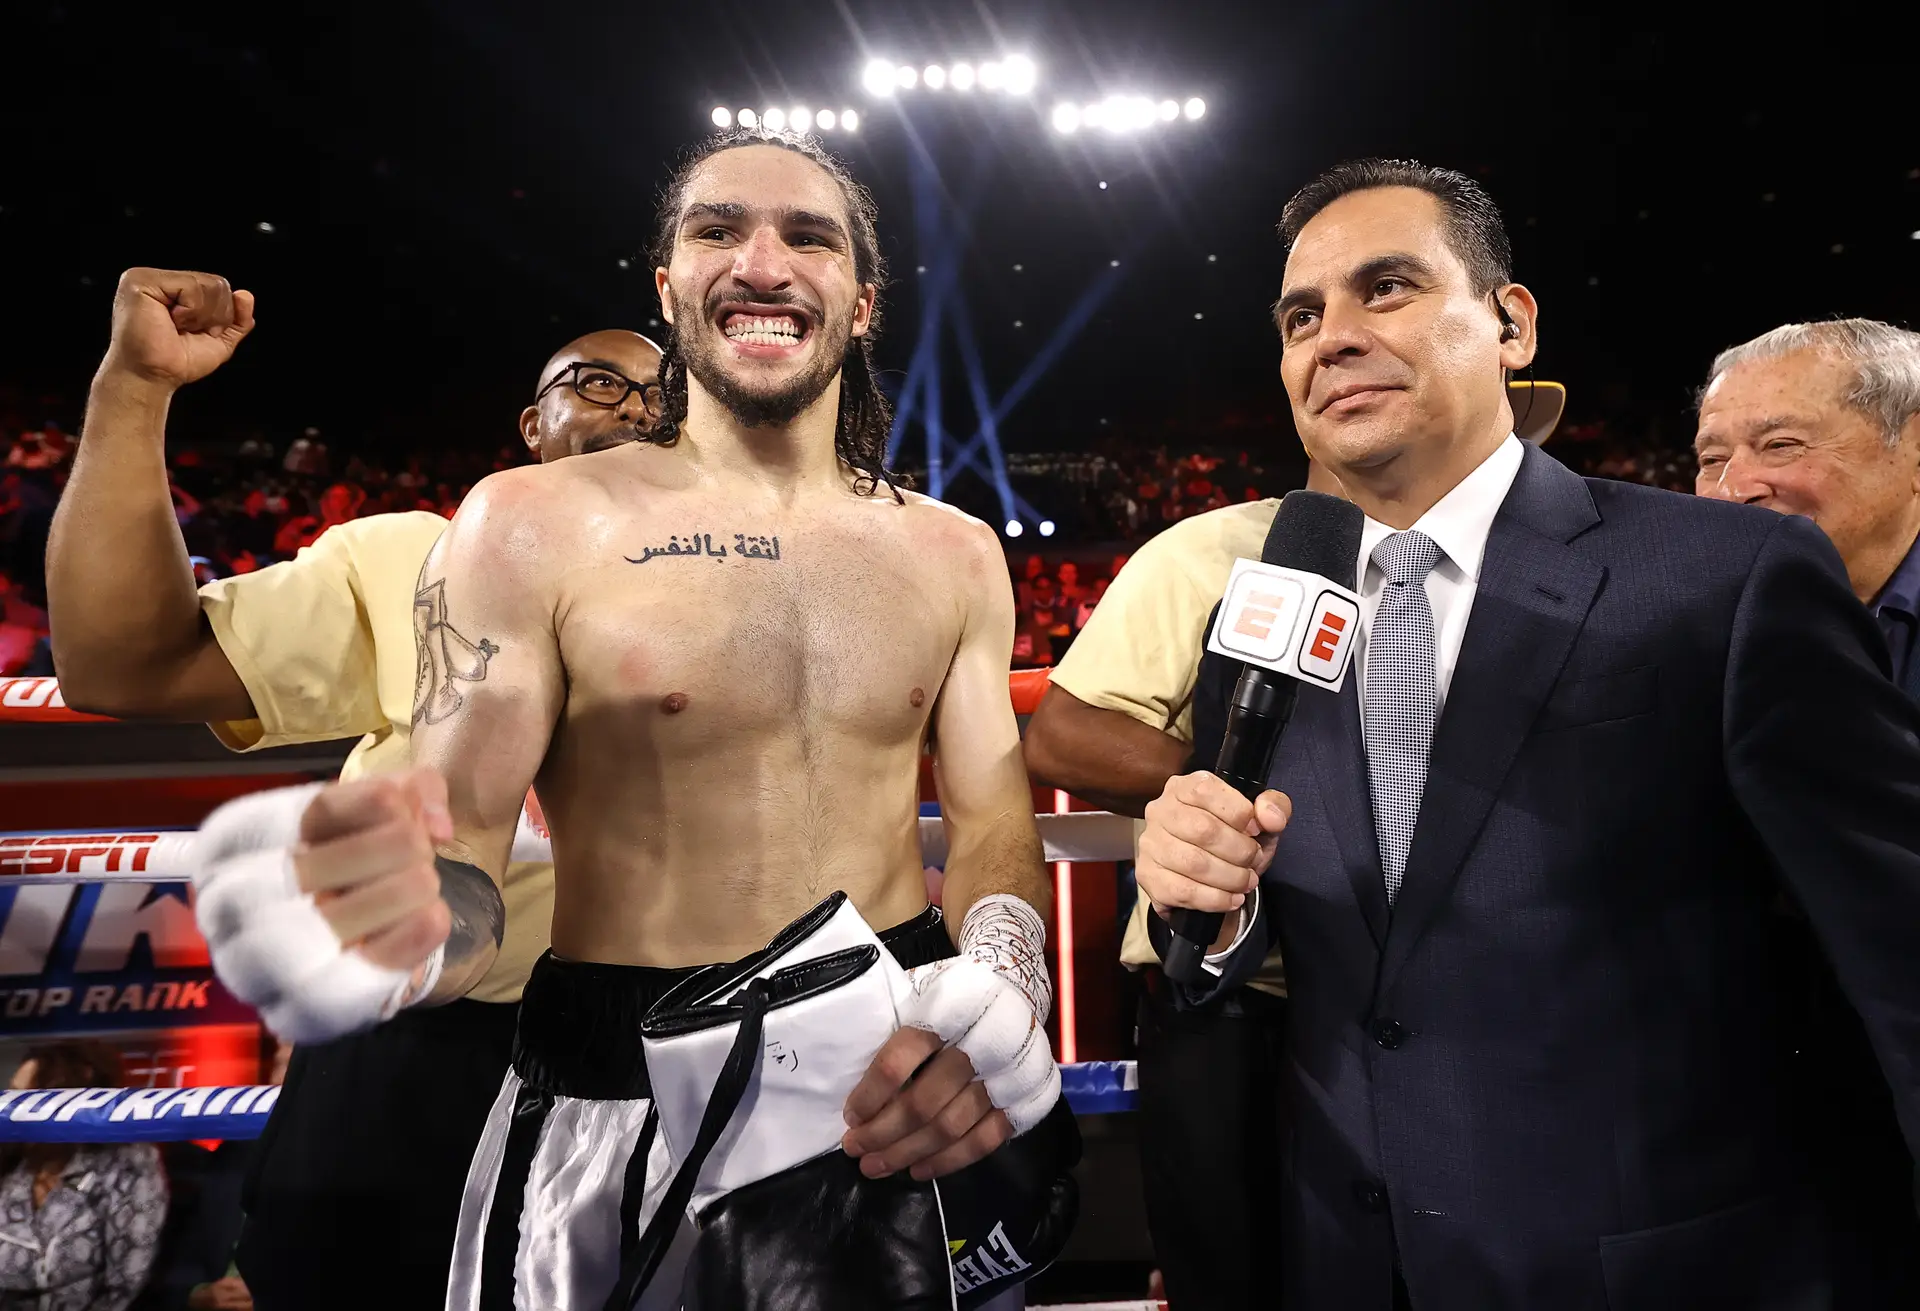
567 1205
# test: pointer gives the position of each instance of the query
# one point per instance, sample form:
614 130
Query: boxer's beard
757 406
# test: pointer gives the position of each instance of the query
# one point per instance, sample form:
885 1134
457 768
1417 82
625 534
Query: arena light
1013 528
824 120
849 121
1046 527
1195 108
962 77
1020 74
906 77
801 119
1066 118
934 76
775 119
1093 115
992 76
1169 110
877 77
722 117
749 119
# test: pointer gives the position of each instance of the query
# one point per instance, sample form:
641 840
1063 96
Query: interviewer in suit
1522 867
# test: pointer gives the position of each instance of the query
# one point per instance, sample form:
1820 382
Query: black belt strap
638 1264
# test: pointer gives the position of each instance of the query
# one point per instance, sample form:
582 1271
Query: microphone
1291 617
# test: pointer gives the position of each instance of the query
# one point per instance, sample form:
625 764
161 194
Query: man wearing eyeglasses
319 647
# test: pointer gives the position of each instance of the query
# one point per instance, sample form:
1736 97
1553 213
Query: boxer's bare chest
707 626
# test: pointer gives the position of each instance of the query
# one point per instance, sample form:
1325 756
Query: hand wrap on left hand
992 1002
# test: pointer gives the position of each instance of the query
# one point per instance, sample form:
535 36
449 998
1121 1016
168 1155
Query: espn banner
81 958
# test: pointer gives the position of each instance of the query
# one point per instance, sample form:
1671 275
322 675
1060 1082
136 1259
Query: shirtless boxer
721 667
315 648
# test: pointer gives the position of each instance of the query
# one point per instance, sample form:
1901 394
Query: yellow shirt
324 644
1140 651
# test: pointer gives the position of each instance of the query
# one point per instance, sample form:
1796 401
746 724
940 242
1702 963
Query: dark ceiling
450 187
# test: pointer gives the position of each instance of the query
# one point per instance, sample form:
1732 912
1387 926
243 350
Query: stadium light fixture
1020 74
722 117
878 77
1066 118
749 119
775 119
934 76
849 121
906 77
1169 110
1195 108
801 120
992 76
962 77
1046 527
824 120
1013 528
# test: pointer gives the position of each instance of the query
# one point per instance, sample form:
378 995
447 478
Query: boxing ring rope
166 856
38 700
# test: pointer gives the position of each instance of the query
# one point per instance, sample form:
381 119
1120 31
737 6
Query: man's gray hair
1885 360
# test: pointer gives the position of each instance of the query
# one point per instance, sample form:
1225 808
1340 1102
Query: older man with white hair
1823 420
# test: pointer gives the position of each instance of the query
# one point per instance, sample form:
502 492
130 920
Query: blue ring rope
157 1115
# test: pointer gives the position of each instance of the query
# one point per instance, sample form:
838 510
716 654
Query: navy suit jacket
1552 1076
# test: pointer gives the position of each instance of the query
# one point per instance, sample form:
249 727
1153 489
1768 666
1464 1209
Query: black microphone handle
1262 704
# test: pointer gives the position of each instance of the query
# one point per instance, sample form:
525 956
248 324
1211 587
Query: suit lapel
1533 597
1332 724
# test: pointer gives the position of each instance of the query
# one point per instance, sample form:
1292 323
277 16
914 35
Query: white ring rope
160 856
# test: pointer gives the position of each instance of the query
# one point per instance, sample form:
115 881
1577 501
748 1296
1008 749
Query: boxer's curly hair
866 418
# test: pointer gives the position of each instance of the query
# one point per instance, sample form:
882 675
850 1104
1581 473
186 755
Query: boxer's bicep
489 682
993 844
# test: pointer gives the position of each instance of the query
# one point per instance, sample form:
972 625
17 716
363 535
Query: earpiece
1509 330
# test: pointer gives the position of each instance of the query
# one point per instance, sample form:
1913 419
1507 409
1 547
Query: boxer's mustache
771 299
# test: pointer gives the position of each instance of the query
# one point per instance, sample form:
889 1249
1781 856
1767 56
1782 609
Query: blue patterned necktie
1402 698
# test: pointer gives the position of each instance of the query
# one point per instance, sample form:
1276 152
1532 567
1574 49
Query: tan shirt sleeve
1140 652
297 635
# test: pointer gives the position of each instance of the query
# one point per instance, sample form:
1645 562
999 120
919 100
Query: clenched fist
1205 846
321 906
173 328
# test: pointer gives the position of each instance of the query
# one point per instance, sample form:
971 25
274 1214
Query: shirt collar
1901 593
1460 521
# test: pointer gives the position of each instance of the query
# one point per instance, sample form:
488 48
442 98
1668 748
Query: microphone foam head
1316 534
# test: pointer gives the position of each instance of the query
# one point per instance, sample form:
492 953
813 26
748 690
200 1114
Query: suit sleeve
1823 753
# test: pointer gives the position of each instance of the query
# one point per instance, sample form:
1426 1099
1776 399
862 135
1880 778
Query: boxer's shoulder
949 534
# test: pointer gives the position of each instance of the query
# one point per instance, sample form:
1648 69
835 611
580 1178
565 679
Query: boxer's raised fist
321 906
172 327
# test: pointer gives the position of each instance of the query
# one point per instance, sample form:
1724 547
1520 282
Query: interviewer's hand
1205 846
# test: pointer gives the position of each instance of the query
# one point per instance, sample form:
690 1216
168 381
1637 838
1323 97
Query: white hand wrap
271 947
991 1002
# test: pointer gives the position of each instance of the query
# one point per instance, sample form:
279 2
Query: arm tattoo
479 915
443 658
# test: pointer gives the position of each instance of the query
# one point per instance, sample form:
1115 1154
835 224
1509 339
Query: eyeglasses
604 387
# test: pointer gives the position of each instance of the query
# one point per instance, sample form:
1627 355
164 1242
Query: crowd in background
243 504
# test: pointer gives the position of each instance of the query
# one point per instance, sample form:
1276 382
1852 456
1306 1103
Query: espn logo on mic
1292 623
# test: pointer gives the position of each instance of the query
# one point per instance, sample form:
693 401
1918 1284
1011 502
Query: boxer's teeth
781 330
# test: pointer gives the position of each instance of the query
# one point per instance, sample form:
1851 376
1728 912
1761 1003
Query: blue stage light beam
1078 316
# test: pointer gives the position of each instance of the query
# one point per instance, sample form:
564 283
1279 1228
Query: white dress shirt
1459 524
